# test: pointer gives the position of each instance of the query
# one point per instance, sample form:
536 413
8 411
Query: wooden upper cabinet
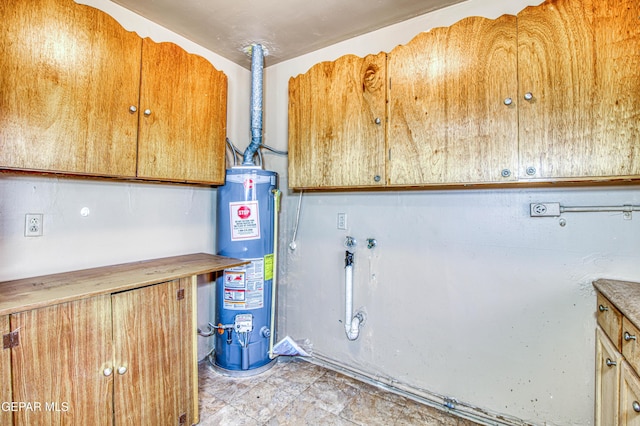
452 112
337 121
549 95
68 75
183 111
616 126
75 91
578 60
556 94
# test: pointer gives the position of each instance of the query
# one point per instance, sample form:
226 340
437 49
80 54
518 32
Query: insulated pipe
257 65
276 207
351 323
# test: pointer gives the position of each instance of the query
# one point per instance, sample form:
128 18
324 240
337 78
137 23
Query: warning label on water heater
245 220
244 286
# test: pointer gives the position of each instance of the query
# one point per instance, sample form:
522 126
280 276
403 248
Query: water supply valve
350 242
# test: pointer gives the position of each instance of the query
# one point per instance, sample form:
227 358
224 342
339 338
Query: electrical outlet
33 225
544 209
342 221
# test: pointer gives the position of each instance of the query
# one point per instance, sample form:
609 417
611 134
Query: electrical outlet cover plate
33 225
545 209
342 221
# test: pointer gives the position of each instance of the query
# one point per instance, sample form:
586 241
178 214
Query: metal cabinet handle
508 101
636 406
528 96
628 336
147 112
132 109
122 370
107 371
610 363
377 120
506 173
602 308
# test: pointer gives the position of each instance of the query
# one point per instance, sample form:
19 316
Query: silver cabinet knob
528 96
531 171
610 363
602 308
628 336
122 370
132 109
508 101
377 178
377 120
636 406
505 173
147 112
107 371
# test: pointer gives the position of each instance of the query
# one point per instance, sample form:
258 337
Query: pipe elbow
352 329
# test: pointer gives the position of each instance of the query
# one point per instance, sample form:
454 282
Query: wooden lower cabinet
617 392
5 375
122 358
608 361
153 336
59 361
629 396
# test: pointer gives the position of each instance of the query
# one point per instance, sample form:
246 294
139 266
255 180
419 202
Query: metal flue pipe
257 66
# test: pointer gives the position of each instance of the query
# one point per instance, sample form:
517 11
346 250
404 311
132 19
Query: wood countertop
36 292
625 295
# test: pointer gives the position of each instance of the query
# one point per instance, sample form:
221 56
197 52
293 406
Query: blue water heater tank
245 217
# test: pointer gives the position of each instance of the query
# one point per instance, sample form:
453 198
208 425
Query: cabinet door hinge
182 419
11 340
180 294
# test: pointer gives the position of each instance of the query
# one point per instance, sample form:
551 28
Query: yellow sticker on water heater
268 267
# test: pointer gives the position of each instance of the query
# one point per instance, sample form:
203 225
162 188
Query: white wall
128 221
465 295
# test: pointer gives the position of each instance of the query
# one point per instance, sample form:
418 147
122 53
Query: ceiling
286 28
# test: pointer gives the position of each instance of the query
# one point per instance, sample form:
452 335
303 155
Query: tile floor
298 393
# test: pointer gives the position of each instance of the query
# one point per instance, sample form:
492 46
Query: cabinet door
69 74
183 106
616 133
607 396
629 413
59 365
453 116
630 344
557 76
337 124
5 374
154 355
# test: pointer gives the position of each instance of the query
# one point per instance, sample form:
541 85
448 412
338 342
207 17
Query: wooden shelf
37 292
